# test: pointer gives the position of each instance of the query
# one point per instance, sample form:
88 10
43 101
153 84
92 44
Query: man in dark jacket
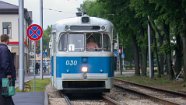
7 68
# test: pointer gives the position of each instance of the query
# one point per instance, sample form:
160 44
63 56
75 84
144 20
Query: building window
7 28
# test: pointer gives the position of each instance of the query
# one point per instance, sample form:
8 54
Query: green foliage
40 85
93 8
130 18
46 40
46 37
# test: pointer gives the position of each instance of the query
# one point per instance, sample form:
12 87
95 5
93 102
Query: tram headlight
84 69
67 28
103 28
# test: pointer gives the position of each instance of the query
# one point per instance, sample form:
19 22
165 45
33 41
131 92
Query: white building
9 24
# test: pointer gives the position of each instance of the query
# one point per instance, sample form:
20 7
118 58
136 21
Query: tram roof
77 21
60 25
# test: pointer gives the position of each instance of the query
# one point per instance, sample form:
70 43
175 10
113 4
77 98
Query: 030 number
71 62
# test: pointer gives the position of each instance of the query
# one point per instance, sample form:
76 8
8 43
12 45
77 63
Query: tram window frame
64 45
60 46
100 41
106 46
54 42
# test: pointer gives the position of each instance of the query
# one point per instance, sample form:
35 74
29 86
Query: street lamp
53 9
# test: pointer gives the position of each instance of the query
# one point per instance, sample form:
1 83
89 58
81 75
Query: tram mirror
50 35
71 47
50 45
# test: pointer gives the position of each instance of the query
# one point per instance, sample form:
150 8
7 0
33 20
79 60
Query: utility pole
149 51
34 82
21 45
41 40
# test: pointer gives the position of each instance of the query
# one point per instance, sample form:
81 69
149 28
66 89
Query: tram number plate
71 62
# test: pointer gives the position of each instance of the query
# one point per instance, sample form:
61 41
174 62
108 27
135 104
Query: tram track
68 102
99 100
110 101
162 96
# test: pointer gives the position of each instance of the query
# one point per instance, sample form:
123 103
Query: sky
68 8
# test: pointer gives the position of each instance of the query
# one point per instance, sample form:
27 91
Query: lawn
39 85
163 82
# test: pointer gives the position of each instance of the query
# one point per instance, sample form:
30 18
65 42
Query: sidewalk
29 98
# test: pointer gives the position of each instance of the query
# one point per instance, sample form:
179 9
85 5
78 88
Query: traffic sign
34 32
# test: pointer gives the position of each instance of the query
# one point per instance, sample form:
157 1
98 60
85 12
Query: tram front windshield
78 42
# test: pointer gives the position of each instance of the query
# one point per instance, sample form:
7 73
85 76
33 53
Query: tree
46 40
167 20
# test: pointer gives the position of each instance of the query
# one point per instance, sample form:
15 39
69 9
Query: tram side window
106 43
62 46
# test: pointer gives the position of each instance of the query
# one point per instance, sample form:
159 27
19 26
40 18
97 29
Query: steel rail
67 100
111 101
153 88
164 102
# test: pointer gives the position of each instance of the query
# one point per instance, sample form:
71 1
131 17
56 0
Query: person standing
7 68
37 66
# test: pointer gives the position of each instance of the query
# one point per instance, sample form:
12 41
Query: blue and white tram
75 67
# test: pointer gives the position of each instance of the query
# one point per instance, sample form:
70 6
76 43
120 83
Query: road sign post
34 32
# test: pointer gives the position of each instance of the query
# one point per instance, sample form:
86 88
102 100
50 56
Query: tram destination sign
34 32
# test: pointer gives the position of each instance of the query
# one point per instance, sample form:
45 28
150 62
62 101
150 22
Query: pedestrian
37 67
7 68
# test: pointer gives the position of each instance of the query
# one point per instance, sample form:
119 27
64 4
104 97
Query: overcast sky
68 8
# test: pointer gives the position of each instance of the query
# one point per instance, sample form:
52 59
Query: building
9 24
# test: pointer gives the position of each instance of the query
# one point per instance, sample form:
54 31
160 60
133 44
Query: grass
39 85
162 82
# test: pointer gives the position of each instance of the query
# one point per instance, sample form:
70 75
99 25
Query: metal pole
41 40
34 65
21 45
149 51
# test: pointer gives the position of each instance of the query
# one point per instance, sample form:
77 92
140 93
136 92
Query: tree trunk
169 60
152 64
144 62
178 55
152 51
136 55
162 57
184 55
144 50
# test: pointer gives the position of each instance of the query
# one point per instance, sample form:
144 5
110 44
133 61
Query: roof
5 5
7 8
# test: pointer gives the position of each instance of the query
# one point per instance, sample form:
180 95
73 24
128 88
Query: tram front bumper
81 76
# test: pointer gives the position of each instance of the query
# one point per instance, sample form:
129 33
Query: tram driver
91 44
